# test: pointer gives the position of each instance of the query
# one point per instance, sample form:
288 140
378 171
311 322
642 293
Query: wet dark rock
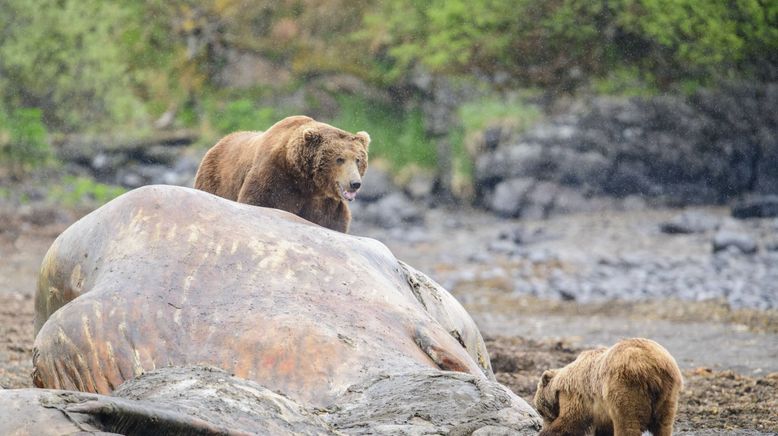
129 179
392 210
707 148
764 206
107 163
690 222
523 235
725 239
136 175
491 137
161 154
376 184
503 247
415 234
420 186
508 197
41 214
131 162
528 198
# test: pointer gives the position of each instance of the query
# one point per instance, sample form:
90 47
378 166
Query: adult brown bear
299 165
623 390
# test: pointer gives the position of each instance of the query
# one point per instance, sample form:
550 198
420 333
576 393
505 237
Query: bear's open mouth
346 193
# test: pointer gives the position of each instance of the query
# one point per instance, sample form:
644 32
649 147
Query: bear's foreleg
328 213
573 419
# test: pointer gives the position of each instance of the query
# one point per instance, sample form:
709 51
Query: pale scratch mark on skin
97 307
137 217
208 250
184 297
90 341
234 247
76 279
137 368
171 233
136 358
177 317
112 361
194 233
257 247
65 340
77 374
52 298
276 259
59 373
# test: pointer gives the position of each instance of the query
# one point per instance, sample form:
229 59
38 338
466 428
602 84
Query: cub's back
641 361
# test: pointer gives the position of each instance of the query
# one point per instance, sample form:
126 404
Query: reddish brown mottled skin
299 165
171 276
623 391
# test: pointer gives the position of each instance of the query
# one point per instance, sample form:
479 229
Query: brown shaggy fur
623 390
298 165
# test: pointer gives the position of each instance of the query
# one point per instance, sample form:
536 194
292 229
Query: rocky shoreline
605 256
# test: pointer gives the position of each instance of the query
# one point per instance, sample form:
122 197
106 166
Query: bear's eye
340 161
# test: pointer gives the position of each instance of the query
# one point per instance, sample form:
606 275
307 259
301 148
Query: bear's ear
546 377
364 138
312 137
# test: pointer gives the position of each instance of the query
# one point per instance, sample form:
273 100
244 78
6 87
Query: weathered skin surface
168 276
174 401
208 401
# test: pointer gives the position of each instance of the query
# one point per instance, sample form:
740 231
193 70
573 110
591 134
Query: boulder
727 238
761 206
690 222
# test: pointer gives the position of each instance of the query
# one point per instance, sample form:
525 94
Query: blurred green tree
23 141
65 57
562 43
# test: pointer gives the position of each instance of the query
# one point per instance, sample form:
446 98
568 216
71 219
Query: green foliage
66 57
90 64
699 39
562 43
23 140
479 114
396 136
243 114
626 81
83 191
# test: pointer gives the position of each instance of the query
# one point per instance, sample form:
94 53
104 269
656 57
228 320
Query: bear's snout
355 184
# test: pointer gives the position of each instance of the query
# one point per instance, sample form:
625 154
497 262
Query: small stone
690 222
729 239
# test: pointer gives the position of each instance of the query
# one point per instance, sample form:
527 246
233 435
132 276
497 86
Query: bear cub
299 165
623 390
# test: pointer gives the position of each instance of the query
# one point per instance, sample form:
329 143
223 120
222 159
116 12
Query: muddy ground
729 357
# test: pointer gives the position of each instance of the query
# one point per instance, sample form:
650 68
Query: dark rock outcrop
763 206
708 148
